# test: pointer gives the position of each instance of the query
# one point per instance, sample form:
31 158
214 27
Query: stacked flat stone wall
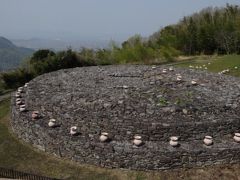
125 101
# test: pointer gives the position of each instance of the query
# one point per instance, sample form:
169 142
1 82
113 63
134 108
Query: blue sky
107 19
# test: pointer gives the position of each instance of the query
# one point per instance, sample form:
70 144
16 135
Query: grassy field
217 64
15 154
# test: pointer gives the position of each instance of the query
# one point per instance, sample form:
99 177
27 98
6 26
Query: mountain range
61 44
11 55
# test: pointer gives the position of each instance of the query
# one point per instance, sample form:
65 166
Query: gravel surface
130 100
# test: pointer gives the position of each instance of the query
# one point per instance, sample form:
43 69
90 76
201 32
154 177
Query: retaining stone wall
129 100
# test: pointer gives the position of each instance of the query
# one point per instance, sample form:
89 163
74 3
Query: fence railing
10 173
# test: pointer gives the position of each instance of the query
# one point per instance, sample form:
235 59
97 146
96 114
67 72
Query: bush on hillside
41 55
43 61
16 78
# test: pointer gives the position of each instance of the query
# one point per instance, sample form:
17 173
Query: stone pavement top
154 102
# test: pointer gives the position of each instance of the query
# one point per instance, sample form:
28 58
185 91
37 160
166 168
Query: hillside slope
11 55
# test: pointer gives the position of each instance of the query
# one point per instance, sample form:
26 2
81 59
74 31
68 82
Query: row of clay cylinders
164 70
193 82
174 140
208 140
36 115
104 137
19 100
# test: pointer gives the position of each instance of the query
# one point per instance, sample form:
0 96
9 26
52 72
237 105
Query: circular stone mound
154 103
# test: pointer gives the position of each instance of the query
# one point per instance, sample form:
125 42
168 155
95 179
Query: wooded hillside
10 55
212 30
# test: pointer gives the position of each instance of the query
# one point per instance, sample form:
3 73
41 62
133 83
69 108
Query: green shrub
43 61
16 78
41 55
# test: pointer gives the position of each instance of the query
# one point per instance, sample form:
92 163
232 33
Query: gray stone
120 101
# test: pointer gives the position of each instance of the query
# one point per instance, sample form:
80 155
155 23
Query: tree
41 55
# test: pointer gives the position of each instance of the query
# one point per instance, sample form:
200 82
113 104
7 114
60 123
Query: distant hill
11 55
59 45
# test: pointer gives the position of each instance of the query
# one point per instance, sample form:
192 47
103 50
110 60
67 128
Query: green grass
3 89
4 108
218 63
